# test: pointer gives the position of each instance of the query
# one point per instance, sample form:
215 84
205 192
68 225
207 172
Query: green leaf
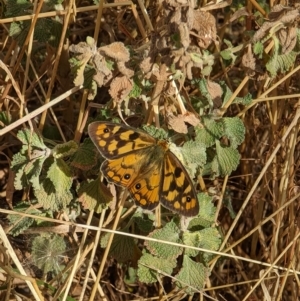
16 8
94 195
210 131
227 94
78 69
258 48
196 57
206 216
136 91
18 165
227 159
123 248
192 276
194 153
202 86
131 276
86 156
21 223
281 63
28 163
144 225
48 253
170 232
155 132
246 100
191 239
31 139
65 149
227 201
5 119
149 267
33 171
234 129
19 30
60 175
228 53
50 198
208 238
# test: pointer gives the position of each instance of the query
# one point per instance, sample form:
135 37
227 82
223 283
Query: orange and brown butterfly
145 166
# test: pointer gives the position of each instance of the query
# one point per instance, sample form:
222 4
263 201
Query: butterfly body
145 166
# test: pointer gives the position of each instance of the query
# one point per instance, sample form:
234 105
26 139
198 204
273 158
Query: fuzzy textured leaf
145 225
123 247
226 160
206 215
94 195
227 94
170 232
149 268
65 149
60 175
28 137
21 223
192 276
234 130
28 162
194 153
208 238
47 253
210 131
49 198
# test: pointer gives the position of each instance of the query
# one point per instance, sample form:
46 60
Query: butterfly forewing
113 140
178 193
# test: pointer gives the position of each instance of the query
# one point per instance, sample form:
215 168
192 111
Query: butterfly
145 166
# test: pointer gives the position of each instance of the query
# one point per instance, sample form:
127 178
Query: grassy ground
216 85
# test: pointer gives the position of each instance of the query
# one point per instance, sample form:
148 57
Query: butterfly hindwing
114 140
146 189
119 171
140 173
178 193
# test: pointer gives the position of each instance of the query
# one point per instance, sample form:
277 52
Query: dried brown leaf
278 11
205 28
191 119
120 87
124 70
190 17
281 17
79 79
215 92
99 79
82 48
176 17
103 74
160 72
242 12
117 51
146 65
248 61
288 39
184 35
178 123
177 3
